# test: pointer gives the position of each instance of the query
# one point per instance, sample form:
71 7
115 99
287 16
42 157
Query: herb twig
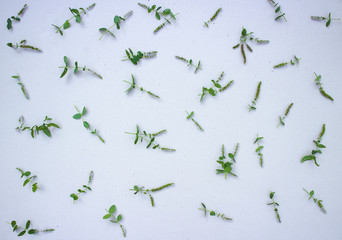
23 230
133 86
158 13
157 10
147 191
252 106
189 62
74 196
36 129
75 14
275 206
117 20
329 19
292 62
193 120
213 213
135 58
23 45
167 20
22 87
114 219
15 18
319 146
316 200
259 149
277 10
206 24
29 179
149 137
282 118
243 41
80 115
76 68
227 166
321 90
215 88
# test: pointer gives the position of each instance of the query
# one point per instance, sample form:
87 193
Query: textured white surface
63 162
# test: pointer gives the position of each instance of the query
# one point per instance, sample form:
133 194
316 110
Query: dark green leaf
278 9
10 44
21 233
66 25
84 110
112 209
136 188
328 23
119 218
307 158
52 125
26 182
157 16
77 116
321 146
116 19
166 11
259 148
190 115
230 155
13 223
76 67
32 231
46 131
78 18
27 173
103 29
271 195
107 216
28 223
212 213
212 92
9 23
86 124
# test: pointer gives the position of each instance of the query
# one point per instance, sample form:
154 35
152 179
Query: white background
63 162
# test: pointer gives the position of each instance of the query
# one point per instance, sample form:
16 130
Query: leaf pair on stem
213 213
134 85
36 129
147 191
86 188
15 18
319 146
275 206
76 68
29 179
80 115
76 13
23 45
217 87
117 21
189 62
329 19
27 229
110 215
259 149
193 120
245 36
150 138
22 87
227 166
135 58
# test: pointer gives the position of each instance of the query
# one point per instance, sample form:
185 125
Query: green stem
89 127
